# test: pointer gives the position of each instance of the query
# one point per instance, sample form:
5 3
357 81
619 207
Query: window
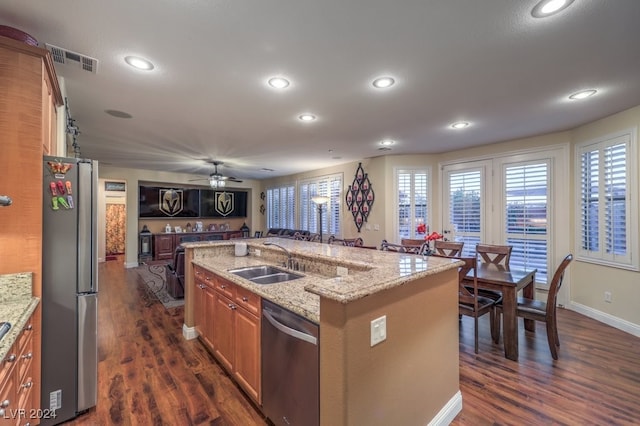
518 198
412 187
281 207
526 195
328 186
464 193
605 214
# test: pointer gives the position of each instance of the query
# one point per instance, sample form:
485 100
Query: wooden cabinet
204 304
163 246
227 319
17 378
30 96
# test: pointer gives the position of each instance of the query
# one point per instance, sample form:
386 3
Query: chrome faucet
289 263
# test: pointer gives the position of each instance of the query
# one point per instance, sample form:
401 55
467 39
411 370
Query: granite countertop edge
375 271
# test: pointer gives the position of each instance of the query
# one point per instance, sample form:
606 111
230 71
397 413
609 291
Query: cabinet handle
245 299
27 356
28 328
202 286
232 306
5 403
208 278
27 385
11 358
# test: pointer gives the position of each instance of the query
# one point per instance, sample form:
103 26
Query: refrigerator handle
87 351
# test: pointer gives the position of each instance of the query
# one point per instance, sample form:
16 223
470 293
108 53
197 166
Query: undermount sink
265 274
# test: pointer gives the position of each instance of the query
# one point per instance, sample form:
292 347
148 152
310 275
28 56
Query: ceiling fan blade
198 180
232 179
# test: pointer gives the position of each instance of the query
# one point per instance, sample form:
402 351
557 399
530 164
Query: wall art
360 197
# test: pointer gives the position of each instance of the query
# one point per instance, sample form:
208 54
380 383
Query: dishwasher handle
288 330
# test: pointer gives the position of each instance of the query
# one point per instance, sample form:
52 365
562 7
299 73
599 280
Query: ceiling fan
217 179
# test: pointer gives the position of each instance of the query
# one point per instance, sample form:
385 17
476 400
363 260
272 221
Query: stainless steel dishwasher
290 367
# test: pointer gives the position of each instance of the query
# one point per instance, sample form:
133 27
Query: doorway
115 230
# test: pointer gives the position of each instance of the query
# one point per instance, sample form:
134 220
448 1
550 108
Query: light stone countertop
369 271
16 306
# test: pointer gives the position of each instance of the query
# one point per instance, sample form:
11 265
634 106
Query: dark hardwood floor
149 375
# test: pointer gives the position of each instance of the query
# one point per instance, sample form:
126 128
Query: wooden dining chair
349 242
402 248
541 311
496 254
448 248
470 302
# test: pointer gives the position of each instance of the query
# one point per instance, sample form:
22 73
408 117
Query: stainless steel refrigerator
69 287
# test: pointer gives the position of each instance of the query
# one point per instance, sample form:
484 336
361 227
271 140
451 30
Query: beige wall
405 380
589 282
585 283
133 176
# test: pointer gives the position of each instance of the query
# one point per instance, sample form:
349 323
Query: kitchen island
409 378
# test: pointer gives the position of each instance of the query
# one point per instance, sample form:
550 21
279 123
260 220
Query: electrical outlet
378 330
607 296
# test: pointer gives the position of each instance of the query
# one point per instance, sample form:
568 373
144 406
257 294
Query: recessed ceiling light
278 82
549 7
460 124
583 94
306 117
383 82
118 114
139 63
387 142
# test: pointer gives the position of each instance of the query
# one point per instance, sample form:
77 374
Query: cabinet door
210 307
223 336
163 247
198 307
247 352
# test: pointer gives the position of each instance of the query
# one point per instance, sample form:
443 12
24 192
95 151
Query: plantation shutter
526 201
465 189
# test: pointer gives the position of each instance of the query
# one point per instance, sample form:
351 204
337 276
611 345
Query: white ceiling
488 62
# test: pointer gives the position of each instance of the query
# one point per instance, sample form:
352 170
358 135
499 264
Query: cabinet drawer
203 275
25 336
225 287
248 300
24 360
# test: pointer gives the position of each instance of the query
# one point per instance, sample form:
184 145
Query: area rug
154 277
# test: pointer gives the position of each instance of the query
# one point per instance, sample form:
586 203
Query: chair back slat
448 248
493 253
349 242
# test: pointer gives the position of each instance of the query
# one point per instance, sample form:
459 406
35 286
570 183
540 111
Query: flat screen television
163 202
216 203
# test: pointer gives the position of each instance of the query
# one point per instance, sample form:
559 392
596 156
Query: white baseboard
608 319
131 264
189 333
448 412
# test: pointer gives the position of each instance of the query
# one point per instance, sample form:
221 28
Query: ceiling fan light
215 182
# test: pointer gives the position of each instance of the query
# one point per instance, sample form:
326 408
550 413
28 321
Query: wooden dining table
509 282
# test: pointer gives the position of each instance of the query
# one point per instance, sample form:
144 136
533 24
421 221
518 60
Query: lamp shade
319 199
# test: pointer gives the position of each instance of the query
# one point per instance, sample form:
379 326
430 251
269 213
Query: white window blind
412 187
604 204
465 189
281 207
327 186
526 198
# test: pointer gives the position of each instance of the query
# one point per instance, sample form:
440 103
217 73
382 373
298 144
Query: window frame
429 216
628 137
269 208
332 221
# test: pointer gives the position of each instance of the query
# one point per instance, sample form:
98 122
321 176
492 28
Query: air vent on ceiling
68 57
